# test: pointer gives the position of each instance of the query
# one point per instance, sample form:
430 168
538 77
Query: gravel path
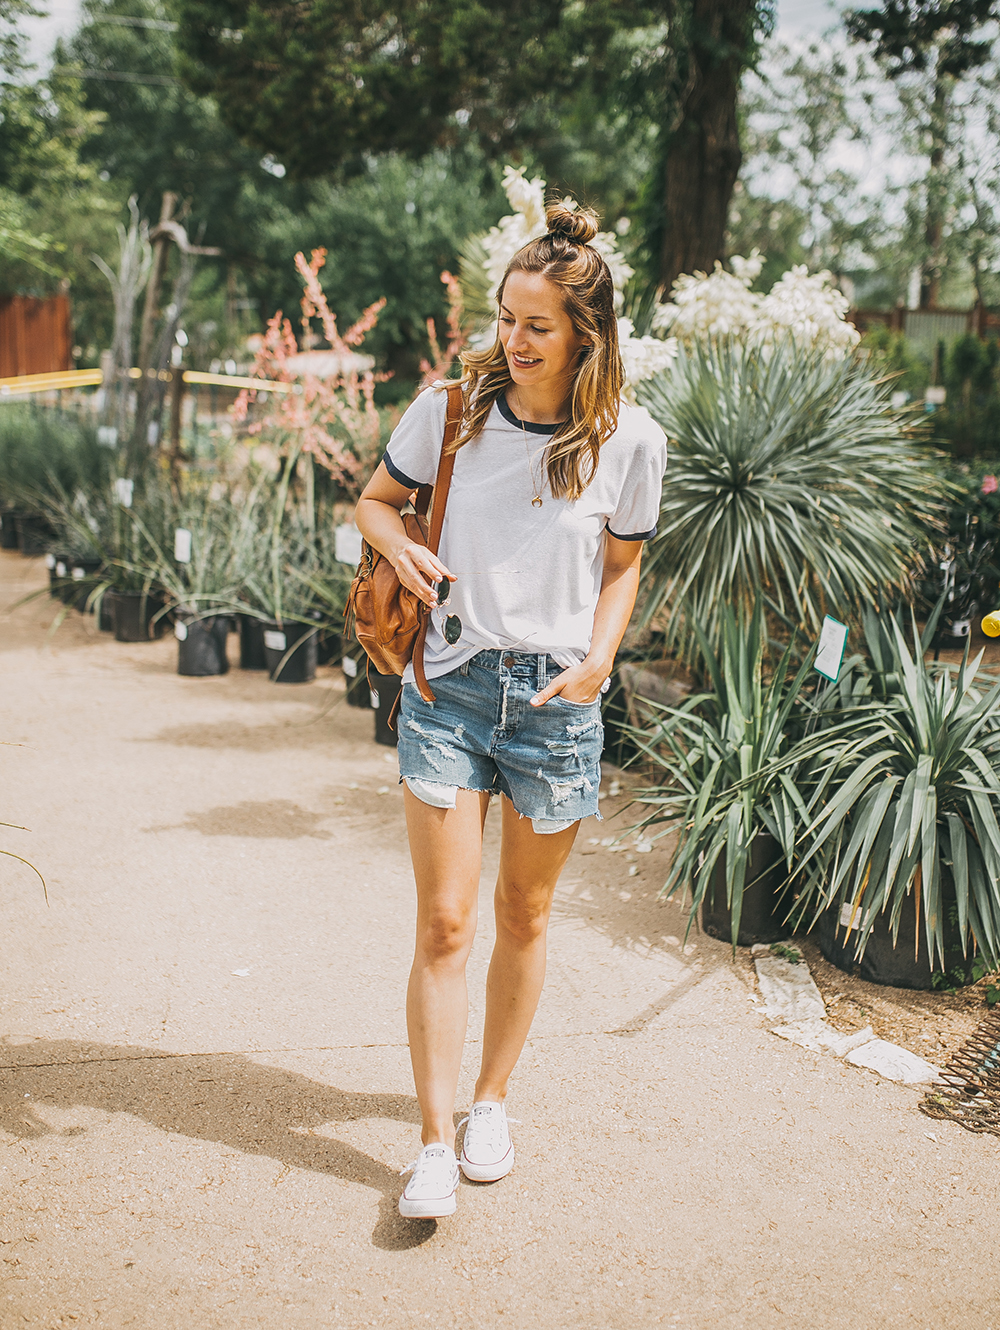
205 1097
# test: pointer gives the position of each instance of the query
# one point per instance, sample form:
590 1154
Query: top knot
577 224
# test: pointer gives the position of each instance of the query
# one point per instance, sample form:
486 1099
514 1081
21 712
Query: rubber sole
439 1208
487 1172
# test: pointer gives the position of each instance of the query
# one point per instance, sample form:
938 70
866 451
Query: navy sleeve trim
638 535
397 475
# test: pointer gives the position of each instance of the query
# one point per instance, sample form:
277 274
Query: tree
939 42
322 84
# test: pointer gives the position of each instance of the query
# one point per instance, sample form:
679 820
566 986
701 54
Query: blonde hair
564 257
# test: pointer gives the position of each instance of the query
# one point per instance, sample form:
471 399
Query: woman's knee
523 913
445 935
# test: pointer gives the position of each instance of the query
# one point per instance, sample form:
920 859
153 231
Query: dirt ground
205 1097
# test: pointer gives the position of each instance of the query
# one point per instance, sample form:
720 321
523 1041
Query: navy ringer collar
530 425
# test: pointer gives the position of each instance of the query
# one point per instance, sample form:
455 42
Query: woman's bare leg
446 847
529 869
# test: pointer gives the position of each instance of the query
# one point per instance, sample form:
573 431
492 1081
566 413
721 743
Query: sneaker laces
420 1162
496 1123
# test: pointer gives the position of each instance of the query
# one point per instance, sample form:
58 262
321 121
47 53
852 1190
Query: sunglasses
452 629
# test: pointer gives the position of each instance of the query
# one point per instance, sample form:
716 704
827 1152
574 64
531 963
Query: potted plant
714 758
898 856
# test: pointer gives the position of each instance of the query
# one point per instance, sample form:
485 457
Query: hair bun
577 224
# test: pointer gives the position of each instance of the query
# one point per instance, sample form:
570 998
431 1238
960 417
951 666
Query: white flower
811 309
643 356
808 307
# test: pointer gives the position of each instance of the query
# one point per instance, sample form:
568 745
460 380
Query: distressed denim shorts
481 733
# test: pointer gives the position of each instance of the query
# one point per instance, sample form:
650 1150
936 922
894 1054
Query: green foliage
44 451
894 355
905 796
922 33
787 475
717 760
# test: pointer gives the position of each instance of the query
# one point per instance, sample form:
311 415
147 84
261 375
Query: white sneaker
487 1150
430 1193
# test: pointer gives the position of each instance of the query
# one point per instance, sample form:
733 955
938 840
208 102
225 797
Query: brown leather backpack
390 622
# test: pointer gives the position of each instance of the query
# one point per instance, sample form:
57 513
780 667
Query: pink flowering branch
440 366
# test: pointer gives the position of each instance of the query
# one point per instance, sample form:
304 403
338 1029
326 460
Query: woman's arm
619 586
379 521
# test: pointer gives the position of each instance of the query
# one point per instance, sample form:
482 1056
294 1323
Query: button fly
509 662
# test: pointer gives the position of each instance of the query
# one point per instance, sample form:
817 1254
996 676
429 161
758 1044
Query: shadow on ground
219 1097
278 819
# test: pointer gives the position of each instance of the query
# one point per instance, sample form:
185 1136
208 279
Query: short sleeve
415 445
639 501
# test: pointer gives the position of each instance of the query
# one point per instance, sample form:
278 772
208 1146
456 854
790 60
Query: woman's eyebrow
530 318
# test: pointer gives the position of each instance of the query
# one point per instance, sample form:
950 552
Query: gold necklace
536 502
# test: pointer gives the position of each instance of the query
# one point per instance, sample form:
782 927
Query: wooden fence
35 335
930 326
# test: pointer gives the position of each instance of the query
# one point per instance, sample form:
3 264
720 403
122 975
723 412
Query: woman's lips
524 363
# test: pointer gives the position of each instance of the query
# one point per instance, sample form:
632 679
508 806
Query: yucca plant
904 801
787 473
718 756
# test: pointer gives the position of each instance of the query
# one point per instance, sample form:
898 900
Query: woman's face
538 337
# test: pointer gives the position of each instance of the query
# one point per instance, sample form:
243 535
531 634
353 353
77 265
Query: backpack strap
442 484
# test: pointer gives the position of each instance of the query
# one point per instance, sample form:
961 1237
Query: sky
796 18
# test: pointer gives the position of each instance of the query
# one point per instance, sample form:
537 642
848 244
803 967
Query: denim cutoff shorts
481 733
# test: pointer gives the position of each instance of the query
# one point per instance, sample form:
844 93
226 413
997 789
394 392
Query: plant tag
180 631
350 667
78 574
830 652
50 562
107 436
849 916
182 545
276 641
123 492
347 544
373 698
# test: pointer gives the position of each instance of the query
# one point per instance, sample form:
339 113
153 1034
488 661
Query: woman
555 487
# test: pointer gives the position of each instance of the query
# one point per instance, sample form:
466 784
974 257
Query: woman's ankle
438 1136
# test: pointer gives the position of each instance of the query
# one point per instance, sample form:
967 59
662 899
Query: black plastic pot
328 647
201 644
252 655
8 529
384 691
34 535
82 573
904 965
105 614
300 639
354 663
761 915
132 612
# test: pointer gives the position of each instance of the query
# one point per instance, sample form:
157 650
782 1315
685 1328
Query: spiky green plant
717 758
787 473
905 797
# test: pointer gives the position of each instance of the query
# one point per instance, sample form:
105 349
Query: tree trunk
702 148
937 195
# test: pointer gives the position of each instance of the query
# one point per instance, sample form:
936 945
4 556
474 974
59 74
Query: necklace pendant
536 502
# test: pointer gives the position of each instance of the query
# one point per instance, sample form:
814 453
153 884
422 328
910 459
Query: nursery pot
384 691
33 534
8 529
354 663
761 916
201 644
904 965
300 666
133 612
105 613
252 655
81 571
328 647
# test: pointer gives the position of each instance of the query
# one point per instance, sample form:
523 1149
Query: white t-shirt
528 578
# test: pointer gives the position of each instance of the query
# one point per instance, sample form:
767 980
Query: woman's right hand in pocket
420 571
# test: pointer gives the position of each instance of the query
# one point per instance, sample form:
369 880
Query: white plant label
180 631
123 492
50 562
347 544
350 667
276 641
78 574
182 545
60 569
373 698
830 652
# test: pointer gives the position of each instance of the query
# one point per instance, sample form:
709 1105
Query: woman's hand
420 571
581 683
